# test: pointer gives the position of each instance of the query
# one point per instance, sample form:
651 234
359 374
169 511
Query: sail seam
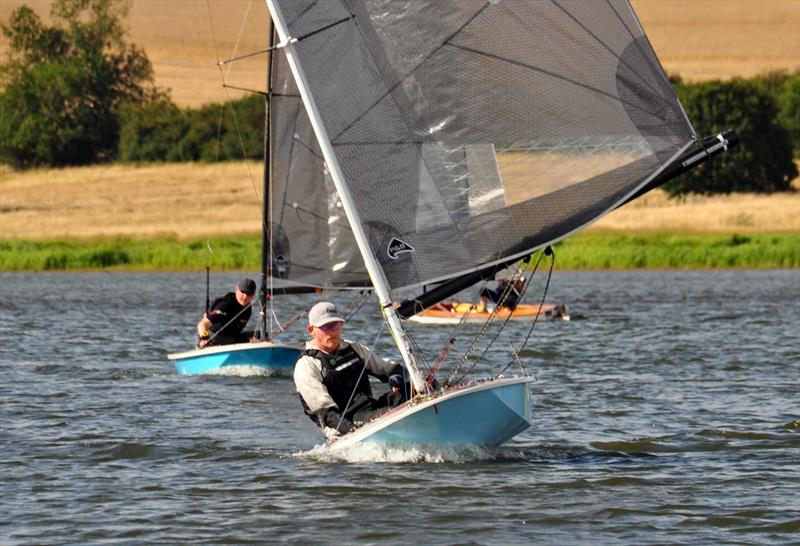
406 75
605 46
557 76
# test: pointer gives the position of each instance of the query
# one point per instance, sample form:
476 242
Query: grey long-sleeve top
308 375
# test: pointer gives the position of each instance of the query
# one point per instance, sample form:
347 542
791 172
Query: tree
62 85
763 160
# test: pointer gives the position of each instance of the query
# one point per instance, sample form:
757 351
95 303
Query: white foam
245 371
379 453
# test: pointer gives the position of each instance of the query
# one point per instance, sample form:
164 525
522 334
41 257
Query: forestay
471 132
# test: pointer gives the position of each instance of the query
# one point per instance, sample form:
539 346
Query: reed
589 251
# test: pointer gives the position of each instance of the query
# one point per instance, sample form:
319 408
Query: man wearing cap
227 317
331 376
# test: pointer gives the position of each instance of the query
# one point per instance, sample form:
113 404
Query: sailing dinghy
307 243
454 312
465 135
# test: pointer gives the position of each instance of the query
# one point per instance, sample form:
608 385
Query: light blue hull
267 357
486 414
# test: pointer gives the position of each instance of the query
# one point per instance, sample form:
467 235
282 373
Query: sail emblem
396 247
282 264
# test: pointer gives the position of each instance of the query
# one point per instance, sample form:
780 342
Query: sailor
225 320
507 279
331 376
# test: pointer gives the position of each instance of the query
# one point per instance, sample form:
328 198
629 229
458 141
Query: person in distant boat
507 279
225 320
331 376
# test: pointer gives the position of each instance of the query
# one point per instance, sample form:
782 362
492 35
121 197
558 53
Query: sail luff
373 269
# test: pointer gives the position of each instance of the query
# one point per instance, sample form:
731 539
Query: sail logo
397 247
282 264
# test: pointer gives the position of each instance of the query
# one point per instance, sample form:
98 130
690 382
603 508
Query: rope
547 251
356 303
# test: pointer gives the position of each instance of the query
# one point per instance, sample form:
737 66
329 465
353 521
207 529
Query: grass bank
676 251
584 251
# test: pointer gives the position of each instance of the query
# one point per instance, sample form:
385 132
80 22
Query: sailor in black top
331 376
225 320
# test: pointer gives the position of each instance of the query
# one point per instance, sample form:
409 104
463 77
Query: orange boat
452 312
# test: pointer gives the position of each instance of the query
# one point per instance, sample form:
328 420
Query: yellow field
184 200
698 39
198 200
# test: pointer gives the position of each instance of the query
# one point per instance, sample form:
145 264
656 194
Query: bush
151 131
232 130
159 131
763 160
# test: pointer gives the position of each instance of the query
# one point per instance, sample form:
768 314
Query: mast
373 268
265 292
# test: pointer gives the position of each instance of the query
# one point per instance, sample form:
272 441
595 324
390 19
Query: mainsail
472 132
312 244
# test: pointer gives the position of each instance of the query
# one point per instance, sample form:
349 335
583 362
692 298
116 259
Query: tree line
78 93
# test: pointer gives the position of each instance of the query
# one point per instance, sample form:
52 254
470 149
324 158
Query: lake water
666 412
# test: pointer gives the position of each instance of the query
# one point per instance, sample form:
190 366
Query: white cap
322 313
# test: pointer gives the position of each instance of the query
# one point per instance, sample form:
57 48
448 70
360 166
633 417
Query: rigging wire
224 71
516 352
360 375
452 377
504 295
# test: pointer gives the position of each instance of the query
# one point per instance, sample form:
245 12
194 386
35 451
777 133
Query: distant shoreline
581 252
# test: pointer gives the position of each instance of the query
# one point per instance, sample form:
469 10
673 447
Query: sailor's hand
203 339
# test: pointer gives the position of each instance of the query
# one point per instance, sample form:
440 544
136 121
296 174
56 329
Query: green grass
163 254
673 251
661 251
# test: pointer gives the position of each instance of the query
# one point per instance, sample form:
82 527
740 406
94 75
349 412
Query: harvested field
205 200
180 200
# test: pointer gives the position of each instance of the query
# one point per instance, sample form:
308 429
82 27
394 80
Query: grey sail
471 132
312 244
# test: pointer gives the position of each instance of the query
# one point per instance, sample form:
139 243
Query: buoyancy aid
345 377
